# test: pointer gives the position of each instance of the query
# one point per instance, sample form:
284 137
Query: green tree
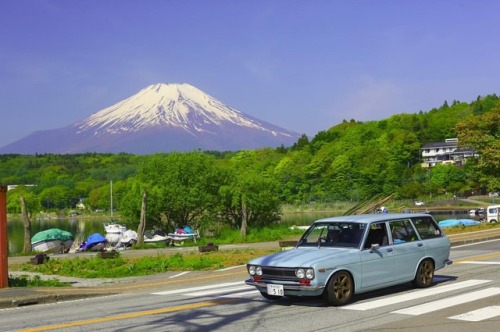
448 178
57 197
482 133
250 200
185 186
31 199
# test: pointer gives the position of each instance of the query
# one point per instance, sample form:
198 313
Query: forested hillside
350 161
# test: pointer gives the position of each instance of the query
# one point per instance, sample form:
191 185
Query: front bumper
292 290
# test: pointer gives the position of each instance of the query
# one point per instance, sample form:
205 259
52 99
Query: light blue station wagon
342 256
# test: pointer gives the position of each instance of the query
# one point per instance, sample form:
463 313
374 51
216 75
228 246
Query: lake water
82 228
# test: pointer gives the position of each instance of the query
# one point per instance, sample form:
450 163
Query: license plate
276 290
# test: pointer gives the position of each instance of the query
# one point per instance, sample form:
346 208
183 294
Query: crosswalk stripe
449 302
217 291
193 289
414 295
479 314
237 290
239 295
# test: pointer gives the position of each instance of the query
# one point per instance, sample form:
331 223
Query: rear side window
402 231
426 227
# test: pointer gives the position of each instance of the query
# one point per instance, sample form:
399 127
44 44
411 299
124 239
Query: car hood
306 257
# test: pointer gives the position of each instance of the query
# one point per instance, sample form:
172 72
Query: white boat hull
114 228
113 238
156 239
52 246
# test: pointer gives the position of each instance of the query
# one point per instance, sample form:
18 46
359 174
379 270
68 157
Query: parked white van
493 213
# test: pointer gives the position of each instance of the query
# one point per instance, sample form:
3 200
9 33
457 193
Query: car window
402 231
314 234
334 234
376 235
426 227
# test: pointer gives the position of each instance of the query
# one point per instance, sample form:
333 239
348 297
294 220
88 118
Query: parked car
419 203
493 213
342 256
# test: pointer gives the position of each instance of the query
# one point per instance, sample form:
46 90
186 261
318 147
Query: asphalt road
466 296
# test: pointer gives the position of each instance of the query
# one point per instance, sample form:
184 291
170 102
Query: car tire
270 297
425 274
339 289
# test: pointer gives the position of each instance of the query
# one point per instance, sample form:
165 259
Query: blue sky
302 65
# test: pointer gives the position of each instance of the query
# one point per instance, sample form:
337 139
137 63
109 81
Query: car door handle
420 245
389 249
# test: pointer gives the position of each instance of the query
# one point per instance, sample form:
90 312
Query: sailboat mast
111 196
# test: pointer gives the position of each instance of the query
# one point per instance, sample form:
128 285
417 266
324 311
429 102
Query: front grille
279 273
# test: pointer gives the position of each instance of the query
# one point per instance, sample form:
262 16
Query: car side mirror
375 247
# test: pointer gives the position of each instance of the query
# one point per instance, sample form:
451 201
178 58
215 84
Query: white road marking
239 295
194 289
178 275
413 295
475 243
230 268
479 315
479 263
449 302
218 291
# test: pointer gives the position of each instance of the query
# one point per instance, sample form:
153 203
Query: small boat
52 240
458 223
113 238
128 238
156 237
95 242
476 212
113 228
182 234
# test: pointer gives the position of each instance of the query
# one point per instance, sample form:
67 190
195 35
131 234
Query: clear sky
302 65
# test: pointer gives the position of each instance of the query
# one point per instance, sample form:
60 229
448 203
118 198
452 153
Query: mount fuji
159 118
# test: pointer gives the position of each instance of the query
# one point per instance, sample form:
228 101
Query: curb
44 299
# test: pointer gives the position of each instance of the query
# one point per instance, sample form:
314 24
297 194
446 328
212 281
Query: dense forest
351 161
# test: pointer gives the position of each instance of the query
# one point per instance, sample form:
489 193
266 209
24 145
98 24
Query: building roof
449 142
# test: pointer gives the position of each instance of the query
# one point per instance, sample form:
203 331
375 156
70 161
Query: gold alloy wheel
425 274
340 289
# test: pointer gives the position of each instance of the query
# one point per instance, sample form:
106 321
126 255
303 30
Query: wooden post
4 255
142 222
27 226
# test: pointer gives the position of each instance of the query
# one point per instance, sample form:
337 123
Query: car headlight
251 270
310 274
304 273
258 270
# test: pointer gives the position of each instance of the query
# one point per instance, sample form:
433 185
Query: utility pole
4 255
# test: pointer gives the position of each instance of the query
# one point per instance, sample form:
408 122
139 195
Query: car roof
368 218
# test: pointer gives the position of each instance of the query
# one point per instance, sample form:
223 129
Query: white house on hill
446 152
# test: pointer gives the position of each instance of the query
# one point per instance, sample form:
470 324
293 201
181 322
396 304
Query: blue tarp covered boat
458 223
94 242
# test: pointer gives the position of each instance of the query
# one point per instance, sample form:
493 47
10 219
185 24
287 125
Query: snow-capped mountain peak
159 118
166 105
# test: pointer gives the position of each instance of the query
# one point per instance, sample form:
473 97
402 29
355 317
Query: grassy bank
121 266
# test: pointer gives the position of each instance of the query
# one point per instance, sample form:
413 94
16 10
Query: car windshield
333 234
